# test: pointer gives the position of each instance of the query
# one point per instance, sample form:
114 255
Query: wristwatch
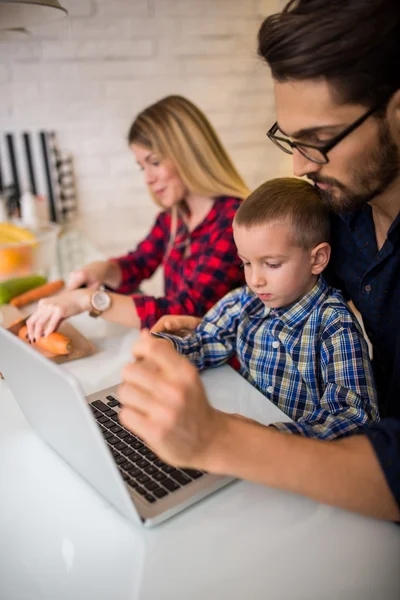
100 301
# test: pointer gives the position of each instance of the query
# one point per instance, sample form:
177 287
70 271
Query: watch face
101 301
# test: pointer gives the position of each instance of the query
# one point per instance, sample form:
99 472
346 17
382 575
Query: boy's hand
164 402
179 325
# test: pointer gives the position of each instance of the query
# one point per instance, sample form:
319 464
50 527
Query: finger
162 325
163 356
144 375
138 398
40 324
53 323
138 423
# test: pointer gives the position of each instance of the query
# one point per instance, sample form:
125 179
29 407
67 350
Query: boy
295 338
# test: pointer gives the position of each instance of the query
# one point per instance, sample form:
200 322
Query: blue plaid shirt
310 359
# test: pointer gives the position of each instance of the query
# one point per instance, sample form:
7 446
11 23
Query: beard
374 174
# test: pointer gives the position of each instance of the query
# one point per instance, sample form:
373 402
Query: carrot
57 343
43 291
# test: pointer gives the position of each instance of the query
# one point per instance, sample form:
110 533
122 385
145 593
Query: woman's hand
94 275
51 311
179 325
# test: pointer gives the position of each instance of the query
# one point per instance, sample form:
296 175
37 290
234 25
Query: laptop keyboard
140 468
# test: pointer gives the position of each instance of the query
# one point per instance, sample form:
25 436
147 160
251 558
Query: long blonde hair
175 128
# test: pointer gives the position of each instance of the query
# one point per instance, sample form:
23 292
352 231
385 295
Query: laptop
86 433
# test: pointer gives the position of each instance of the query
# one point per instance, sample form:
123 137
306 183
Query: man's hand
179 325
164 402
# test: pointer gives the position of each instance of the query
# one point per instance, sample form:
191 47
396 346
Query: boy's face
275 269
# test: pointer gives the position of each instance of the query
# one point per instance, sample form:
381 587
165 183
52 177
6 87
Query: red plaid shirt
194 281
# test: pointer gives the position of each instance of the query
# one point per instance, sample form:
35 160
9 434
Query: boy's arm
214 340
349 401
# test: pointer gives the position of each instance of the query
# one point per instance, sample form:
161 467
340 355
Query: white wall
88 75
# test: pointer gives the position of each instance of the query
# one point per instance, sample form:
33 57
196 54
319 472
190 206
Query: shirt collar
291 315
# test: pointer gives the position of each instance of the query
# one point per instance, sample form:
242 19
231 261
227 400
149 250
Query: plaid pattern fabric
310 359
200 269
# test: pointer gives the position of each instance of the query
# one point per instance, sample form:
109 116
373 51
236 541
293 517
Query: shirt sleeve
385 440
215 273
140 264
349 400
214 340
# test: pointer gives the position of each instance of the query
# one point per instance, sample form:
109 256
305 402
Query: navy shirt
371 279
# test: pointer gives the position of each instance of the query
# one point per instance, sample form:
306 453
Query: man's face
362 166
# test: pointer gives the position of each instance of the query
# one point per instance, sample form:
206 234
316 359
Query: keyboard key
116 428
159 492
142 463
151 469
126 465
149 498
135 457
144 450
151 485
129 439
151 456
136 444
133 483
159 463
127 451
141 491
102 418
108 435
180 477
109 423
110 412
120 446
159 476
114 416
133 471
100 405
120 459
193 473
143 479
113 440
168 468
170 485
123 434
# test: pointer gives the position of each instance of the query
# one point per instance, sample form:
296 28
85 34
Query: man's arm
165 403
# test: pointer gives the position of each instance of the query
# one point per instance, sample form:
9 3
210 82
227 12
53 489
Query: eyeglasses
317 154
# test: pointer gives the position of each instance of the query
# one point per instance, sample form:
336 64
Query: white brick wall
88 75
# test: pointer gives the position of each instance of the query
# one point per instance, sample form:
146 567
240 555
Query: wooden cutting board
81 345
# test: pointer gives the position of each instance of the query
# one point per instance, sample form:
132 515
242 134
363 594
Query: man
337 91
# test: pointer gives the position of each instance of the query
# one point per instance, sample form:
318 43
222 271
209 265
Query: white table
59 540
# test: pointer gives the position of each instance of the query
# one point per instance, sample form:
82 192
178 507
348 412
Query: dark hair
288 200
353 44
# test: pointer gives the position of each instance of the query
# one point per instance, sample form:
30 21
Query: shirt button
269 389
368 288
275 344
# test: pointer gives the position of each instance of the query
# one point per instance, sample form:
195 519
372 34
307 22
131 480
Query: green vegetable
19 285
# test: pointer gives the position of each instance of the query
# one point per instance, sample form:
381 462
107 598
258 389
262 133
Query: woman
191 177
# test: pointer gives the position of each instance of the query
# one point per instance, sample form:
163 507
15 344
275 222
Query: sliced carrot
43 291
57 343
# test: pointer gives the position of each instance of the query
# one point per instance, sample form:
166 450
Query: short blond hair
288 200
